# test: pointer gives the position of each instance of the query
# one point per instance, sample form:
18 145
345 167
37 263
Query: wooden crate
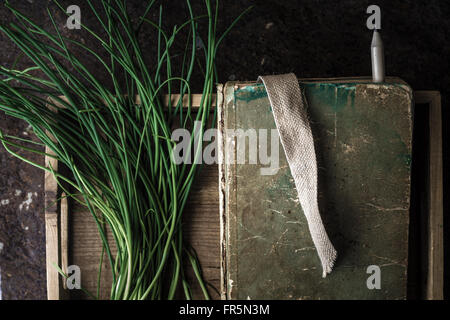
202 226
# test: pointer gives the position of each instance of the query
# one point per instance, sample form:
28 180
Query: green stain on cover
335 95
250 93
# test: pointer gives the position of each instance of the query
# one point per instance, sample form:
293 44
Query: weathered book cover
363 139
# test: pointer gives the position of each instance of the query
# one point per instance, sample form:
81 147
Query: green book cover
363 139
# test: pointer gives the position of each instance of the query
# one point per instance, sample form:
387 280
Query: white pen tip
376 39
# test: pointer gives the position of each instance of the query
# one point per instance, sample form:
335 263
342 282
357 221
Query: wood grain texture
435 236
201 230
51 228
64 231
85 251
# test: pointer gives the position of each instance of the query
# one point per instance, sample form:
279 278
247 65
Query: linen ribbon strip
291 118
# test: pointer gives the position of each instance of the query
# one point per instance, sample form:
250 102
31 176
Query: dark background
310 38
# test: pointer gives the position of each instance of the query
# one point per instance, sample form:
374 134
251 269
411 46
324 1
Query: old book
363 139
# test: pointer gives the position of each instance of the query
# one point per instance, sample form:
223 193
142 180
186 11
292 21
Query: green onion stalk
117 148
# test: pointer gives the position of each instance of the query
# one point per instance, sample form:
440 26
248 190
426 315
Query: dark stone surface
22 230
310 38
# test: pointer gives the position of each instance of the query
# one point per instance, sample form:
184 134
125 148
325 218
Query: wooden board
363 136
201 227
51 229
83 246
434 267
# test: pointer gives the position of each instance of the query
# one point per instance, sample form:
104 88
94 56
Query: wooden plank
202 229
435 237
64 230
195 100
85 252
174 98
51 228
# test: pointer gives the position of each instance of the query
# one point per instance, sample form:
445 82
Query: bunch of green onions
117 150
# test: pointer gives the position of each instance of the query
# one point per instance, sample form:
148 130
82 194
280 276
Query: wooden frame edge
435 276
